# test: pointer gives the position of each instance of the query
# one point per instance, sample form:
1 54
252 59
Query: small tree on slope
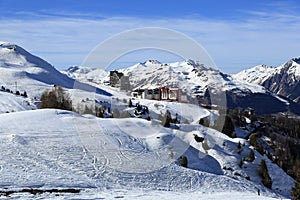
251 156
263 172
295 193
167 119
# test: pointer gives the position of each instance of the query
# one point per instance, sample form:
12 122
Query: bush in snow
167 119
256 144
204 121
99 112
183 161
56 98
148 118
125 114
253 118
24 94
116 113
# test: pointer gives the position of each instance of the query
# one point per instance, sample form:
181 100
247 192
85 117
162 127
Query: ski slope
111 158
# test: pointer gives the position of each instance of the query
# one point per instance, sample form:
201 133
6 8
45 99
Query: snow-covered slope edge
31 73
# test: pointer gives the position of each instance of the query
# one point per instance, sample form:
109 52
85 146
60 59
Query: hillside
48 149
21 70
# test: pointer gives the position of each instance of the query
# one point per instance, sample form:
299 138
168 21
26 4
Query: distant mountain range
200 82
266 89
283 80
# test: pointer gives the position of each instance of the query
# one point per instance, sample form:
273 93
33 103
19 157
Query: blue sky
236 34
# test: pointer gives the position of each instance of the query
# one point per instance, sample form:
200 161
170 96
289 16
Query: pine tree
239 148
130 103
167 119
295 193
225 125
241 163
253 141
251 156
263 172
253 118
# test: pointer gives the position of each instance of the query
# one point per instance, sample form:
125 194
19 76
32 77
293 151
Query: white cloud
269 38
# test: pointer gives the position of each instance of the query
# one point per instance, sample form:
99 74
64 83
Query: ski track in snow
98 154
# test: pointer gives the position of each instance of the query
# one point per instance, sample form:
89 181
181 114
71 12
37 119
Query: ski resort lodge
160 94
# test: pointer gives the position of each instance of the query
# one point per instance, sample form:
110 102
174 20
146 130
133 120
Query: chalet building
117 79
124 83
138 93
114 78
160 94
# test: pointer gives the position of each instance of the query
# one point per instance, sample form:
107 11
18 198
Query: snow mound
18 139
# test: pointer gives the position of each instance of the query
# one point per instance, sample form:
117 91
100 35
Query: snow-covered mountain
283 80
81 73
192 77
25 72
197 82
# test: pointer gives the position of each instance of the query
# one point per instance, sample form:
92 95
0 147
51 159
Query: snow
12 103
86 74
49 149
32 74
256 74
129 158
147 195
295 70
260 73
192 77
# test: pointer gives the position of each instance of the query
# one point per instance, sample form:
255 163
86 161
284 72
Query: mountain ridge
283 80
33 74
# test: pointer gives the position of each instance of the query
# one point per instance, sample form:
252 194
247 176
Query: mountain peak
296 60
283 80
151 62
